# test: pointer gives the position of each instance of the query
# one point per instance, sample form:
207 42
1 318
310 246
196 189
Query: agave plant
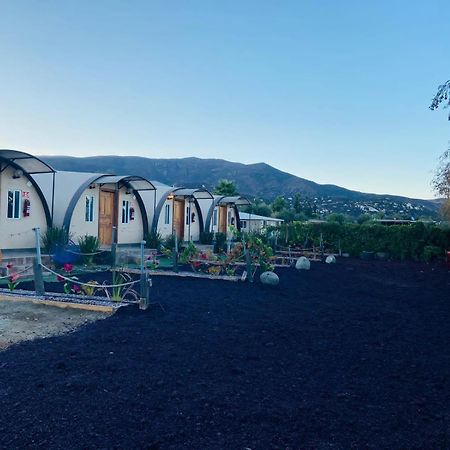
88 245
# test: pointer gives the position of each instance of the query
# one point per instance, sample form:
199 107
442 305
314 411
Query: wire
88 284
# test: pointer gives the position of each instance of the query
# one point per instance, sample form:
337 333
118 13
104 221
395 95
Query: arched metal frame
95 179
217 201
11 162
173 192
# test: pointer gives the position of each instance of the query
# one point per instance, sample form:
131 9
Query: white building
254 222
96 204
177 211
22 203
223 214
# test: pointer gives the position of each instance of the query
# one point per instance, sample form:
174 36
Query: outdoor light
17 173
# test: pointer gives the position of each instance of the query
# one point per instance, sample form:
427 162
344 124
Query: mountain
258 180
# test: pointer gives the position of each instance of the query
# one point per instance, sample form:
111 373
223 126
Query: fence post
114 247
175 254
37 265
143 301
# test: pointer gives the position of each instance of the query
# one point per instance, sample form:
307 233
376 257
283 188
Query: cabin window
89 213
14 201
167 214
215 218
229 218
125 211
243 224
188 213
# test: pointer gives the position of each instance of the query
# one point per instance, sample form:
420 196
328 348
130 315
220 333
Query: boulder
331 259
303 263
269 278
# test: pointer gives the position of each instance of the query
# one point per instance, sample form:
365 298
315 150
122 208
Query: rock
303 263
269 278
331 259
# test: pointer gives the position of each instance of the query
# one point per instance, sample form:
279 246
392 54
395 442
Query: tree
441 182
226 187
441 179
442 97
297 203
261 209
279 204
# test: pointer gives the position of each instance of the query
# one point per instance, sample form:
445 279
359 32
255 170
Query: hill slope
255 180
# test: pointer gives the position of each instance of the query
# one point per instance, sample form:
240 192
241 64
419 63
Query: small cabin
178 212
23 206
223 214
109 207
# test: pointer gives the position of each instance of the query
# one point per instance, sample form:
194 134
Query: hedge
416 241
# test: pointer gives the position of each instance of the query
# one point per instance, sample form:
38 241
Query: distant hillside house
22 203
254 222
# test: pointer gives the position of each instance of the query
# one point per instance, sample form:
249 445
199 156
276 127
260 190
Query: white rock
303 263
269 278
331 259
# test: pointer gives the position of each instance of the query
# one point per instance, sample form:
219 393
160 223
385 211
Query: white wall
78 225
18 233
166 229
132 232
191 229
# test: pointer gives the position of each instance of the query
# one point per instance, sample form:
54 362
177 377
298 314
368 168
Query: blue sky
332 91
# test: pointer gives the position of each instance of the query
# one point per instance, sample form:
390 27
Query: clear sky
332 91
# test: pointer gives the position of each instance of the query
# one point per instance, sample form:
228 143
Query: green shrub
220 242
54 238
402 242
189 253
88 245
206 237
169 242
431 253
154 240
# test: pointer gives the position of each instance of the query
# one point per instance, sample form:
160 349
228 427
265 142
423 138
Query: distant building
254 222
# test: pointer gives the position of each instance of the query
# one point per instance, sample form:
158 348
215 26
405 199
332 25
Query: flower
59 278
9 265
76 288
68 267
14 277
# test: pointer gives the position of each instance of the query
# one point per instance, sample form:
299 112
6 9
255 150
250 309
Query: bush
55 238
431 253
89 245
206 237
220 244
154 240
402 242
169 242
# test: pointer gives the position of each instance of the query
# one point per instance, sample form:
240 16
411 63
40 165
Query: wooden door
223 219
178 218
105 217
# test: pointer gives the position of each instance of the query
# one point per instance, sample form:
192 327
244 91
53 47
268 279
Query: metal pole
143 302
37 265
175 254
114 247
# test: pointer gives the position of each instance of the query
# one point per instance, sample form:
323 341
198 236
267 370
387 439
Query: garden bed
352 355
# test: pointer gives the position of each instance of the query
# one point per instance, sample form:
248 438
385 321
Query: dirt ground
348 356
24 321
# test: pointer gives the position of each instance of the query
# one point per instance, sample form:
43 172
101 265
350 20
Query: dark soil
353 355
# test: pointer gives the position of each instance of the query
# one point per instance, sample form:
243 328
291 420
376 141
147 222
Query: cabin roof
135 182
28 163
234 199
